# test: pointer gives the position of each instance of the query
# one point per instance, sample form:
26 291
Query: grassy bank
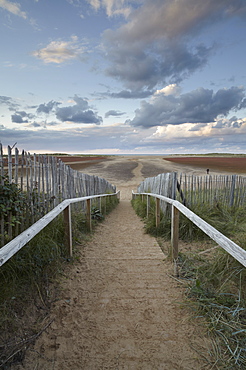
216 282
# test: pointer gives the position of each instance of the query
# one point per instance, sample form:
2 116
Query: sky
123 76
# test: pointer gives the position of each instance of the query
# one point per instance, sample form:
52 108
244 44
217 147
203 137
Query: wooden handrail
9 249
232 248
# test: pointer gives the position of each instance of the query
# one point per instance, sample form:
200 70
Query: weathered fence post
175 232
68 230
2 184
148 205
157 212
10 164
88 213
100 205
232 192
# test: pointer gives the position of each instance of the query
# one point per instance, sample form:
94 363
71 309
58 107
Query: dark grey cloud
129 94
47 107
197 127
9 102
52 123
114 113
21 117
233 122
79 113
168 62
18 118
4 99
198 106
158 45
43 124
35 124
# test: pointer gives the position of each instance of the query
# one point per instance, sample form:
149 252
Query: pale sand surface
120 307
127 172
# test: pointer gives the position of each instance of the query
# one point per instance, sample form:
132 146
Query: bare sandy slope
120 308
126 172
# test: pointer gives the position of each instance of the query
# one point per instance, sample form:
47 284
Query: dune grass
216 282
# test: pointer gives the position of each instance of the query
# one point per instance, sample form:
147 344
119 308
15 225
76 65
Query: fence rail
44 181
21 240
232 248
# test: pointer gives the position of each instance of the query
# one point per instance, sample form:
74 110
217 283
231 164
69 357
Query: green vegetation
216 282
11 207
19 209
29 281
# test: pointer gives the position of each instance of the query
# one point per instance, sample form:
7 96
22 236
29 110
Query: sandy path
119 308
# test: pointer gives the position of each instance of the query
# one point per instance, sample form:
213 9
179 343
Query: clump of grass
217 292
27 292
140 207
187 230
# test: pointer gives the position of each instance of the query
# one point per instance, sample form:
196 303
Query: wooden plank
148 205
2 184
68 230
175 232
88 214
232 190
16 165
157 212
1 165
10 164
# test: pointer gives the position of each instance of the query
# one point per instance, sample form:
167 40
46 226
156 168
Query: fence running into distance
190 190
46 181
8 250
225 190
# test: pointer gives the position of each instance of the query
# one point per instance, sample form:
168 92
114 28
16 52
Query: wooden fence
225 190
164 184
8 250
44 181
232 248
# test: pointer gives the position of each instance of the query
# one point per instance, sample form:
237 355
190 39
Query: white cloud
60 51
112 7
94 3
172 89
223 128
14 8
